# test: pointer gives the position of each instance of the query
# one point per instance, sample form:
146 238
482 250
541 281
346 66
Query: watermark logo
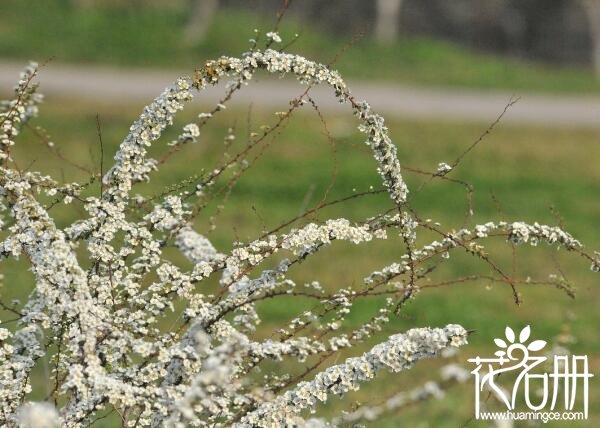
548 393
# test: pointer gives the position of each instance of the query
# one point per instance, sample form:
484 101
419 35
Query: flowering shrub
104 285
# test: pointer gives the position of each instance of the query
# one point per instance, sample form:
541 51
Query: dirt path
137 87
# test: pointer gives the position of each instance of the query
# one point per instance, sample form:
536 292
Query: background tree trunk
592 8
387 21
200 16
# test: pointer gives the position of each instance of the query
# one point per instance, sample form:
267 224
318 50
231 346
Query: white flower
274 36
443 168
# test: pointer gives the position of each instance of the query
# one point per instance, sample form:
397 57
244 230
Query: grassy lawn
526 169
152 37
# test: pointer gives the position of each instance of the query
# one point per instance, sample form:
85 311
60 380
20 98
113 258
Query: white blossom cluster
399 353
39 415
195 247
123 328
309 72
15 113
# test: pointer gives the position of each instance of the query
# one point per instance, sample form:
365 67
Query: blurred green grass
151 36
527 169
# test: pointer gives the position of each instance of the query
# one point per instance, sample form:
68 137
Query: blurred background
441 72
